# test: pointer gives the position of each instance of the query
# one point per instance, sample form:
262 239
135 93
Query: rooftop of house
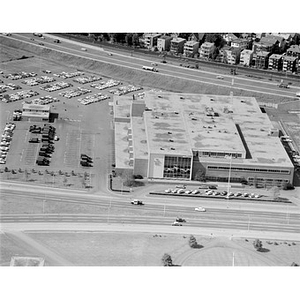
262 53
178 40
289 58
207 44
191 43
275 56
294 48
247 51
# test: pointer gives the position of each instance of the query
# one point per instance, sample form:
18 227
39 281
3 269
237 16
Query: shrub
257 244
192 242
167 260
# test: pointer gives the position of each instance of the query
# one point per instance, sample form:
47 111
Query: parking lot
82 129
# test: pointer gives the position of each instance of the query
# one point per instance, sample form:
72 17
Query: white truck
150 69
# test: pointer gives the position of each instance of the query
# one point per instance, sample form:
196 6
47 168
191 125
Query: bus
150 69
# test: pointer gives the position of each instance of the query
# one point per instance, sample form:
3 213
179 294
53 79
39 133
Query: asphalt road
132 62
117 210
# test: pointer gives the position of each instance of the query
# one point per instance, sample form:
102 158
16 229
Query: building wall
156 165
140 167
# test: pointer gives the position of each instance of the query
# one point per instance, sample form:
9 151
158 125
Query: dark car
85 164
180 220
34 140
87 159
212 187
85 156
57 41
137 202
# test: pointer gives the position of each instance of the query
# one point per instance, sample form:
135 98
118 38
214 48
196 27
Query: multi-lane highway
171 70
115 209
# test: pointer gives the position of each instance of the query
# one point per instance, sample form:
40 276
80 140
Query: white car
168 191
180 191
83 49
188 192
200 209
194 192
220 77
176 224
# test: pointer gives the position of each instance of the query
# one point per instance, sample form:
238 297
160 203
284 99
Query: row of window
250 169
177 167
219 154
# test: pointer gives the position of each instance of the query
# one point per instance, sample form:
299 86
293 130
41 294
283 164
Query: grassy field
139 249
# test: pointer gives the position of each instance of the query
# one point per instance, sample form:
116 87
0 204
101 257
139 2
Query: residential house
290 64
191 48
246 57
278 42
275 62
177 45
206 50
164 43
150 40
261 59
240 43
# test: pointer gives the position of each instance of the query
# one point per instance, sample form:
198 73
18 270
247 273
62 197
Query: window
177 167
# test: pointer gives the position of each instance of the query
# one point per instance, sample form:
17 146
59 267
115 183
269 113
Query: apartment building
230 55
150 40
177 45
262 46
278 41
261 59
275 62
229 37
164 43
191 48
246 57
206 50
290 64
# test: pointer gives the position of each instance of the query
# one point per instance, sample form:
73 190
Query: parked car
200 208
34 140
83 49
85 164
212 187
168 191
194 192
137 202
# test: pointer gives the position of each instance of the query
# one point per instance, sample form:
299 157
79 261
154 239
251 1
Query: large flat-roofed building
36 112
178 136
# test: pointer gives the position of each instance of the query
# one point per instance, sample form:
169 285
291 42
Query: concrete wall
156 166
140 167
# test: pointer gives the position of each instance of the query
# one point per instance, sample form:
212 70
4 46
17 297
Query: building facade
206 50
240 43
246 57
191 48
290 64
150 40
261 59
230 55
177 45
164 43
275 62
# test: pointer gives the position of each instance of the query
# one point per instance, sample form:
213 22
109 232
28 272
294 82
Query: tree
193 242
200 176
167 260
257 244
26 174
129 39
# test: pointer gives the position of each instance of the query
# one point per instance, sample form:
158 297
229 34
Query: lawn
142 249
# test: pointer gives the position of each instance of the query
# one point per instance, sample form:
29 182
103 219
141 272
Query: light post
228 185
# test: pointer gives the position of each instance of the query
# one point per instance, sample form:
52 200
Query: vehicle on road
298 94
200 208
176 224
180 220
150 69
283 85
41 44
109 54
37 34
181 186
137 202
220 77
212 187
83 49
56 41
